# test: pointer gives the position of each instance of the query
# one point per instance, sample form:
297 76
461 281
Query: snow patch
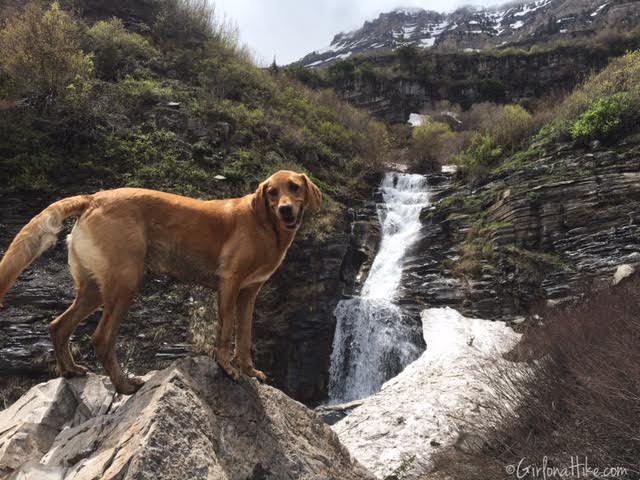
408 10
415 119
597 10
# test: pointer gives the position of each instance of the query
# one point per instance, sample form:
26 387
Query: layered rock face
188 421
469 78
558 225
471 29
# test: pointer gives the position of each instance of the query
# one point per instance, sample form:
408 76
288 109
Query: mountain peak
471 28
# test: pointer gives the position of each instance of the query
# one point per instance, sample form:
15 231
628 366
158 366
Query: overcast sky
289 29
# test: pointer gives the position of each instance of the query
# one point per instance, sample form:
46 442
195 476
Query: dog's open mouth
291 222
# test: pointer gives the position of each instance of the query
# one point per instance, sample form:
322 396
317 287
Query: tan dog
233 245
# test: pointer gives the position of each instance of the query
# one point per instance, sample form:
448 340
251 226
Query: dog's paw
73 371
230 370
255 373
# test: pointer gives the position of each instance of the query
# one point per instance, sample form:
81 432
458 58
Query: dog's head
284 196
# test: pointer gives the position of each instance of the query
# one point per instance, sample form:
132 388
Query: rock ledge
188 421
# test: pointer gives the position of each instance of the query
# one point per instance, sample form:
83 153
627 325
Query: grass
152 111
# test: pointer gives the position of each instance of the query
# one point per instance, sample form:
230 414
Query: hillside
471 29
158 94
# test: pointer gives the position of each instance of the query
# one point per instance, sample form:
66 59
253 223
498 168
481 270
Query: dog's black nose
286 210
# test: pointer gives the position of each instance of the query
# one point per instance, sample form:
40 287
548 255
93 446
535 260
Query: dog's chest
264 271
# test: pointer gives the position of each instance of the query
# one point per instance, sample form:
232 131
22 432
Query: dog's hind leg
118 294
88 299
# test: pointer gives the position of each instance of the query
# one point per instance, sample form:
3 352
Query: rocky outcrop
465 79
438 401
557 225
473 29
294 320
188 421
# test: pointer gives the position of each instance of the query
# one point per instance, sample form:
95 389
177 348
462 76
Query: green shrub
604 119
508 125
145 91
492 89
511 126
118 52
430 146
342 71
482 155
596 94
40 50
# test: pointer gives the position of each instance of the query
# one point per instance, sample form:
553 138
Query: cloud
289 29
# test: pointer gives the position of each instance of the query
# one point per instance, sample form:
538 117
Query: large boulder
438 401
188 421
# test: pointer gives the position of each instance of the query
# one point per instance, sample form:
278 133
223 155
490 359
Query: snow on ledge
426 407
415 119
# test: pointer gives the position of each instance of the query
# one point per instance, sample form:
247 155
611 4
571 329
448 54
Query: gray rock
622 272
188 421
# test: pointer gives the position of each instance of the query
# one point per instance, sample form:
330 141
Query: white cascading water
372 342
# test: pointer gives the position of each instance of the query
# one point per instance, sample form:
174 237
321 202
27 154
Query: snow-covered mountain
474 29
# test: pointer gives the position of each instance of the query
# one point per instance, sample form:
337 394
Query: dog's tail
36 237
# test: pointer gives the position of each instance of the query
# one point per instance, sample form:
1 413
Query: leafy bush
41 52
621 75
492 88
145 91
604 119
118 52
185 21
511 126
482 155
342 71
508 125
431 146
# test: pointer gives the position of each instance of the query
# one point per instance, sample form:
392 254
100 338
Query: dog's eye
294 187
273 192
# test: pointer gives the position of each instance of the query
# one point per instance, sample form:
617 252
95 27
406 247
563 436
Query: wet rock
188 421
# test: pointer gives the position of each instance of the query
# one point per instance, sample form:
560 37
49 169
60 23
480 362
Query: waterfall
373 341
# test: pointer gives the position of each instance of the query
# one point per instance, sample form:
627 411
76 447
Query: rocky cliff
391 91
474 29
546 230
188 421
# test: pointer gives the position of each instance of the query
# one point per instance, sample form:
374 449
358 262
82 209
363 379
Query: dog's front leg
246 302
227 299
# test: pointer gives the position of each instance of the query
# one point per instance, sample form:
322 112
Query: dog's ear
259 201
314 195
